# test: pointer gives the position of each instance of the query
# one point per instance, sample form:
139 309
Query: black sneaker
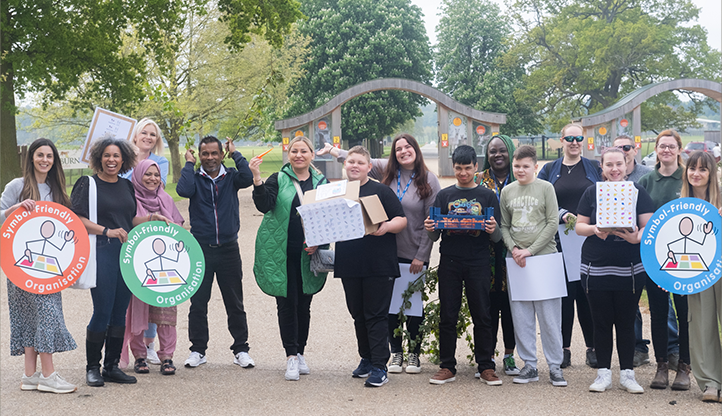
567 361
592 358
363 370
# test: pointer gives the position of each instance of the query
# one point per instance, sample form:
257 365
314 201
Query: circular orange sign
298 133
457 121
480 130
46 250
602 131
624 122
322 125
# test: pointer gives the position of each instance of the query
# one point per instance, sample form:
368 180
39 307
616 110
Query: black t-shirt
371 256
614 251
468 246
571 186
116 202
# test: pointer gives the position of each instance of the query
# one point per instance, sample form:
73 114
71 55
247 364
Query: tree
360 40
52 48
472 38
583 56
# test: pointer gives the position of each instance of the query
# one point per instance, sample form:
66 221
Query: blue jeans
110 295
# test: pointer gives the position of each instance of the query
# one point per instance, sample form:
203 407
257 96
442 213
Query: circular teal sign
162 264
681 246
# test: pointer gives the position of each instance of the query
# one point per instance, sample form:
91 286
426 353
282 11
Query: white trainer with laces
151 355
628 382
244 360
292 373
603 380
195 359
397 360
302 366
55 384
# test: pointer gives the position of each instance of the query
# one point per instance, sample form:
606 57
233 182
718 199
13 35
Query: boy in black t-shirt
367 268
465 264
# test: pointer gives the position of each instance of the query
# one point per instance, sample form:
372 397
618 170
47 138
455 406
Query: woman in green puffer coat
282 263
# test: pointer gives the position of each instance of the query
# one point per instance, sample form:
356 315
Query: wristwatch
105 231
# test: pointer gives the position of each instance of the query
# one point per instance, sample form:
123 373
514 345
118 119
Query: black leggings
616 309
412 324
294 311
659 310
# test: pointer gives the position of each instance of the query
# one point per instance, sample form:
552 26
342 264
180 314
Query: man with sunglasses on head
634 170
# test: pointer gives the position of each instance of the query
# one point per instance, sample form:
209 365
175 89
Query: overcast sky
710 17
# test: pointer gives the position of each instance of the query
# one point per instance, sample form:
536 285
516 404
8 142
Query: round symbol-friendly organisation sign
681 246
162 264
45 250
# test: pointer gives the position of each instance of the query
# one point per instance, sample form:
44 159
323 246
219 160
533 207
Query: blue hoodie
213 205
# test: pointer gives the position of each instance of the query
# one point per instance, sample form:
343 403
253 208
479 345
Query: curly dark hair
126 152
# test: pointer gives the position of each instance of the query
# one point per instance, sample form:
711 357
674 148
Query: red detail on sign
285 148
624 122
444 143
638 145
322 125
337 145
590 146
480 130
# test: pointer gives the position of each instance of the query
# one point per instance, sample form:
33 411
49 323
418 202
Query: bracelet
150 217
105 231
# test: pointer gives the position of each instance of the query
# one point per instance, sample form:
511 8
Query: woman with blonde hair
282 263
705 308
37 325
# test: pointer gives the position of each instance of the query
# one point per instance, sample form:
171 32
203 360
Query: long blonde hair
677 138
308 143
701 159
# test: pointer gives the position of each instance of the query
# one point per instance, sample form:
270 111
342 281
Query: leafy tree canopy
353 41
583 56
472 37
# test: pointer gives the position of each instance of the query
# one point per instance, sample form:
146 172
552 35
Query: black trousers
413 323
616 309
223 262
454 277
575 292
659 311
499 305
368 300
294 311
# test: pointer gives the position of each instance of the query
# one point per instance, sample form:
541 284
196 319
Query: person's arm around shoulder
244 177
425 245
186 186
163 164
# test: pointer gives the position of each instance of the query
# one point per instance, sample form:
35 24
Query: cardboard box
616 205
334 212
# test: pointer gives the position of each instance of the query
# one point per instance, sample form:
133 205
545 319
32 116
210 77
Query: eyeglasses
671 147
571 139
626 147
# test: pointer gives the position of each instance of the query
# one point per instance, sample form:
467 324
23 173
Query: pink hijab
153 202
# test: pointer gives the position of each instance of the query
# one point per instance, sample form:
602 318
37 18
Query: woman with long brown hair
37 325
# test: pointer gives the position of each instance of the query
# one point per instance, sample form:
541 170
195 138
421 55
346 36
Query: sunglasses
626 147
571 139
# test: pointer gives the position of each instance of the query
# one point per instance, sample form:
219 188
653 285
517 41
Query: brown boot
681 381
661 379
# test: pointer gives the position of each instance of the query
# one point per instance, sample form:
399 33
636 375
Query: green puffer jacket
272 239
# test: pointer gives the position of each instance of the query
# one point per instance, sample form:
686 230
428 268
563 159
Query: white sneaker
30 383
603 380
414 364
151 356
397 360
244 360
195 359
627 381
302 366
292 373
55 384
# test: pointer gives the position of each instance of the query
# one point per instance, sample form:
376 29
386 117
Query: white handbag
88 279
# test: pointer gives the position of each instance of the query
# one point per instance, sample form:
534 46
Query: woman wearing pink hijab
152 199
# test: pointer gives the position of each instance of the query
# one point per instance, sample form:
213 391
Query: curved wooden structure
458 123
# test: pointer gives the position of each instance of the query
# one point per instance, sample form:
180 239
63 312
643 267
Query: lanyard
399 194
497 190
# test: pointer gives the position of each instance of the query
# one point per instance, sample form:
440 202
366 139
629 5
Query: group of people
527 211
